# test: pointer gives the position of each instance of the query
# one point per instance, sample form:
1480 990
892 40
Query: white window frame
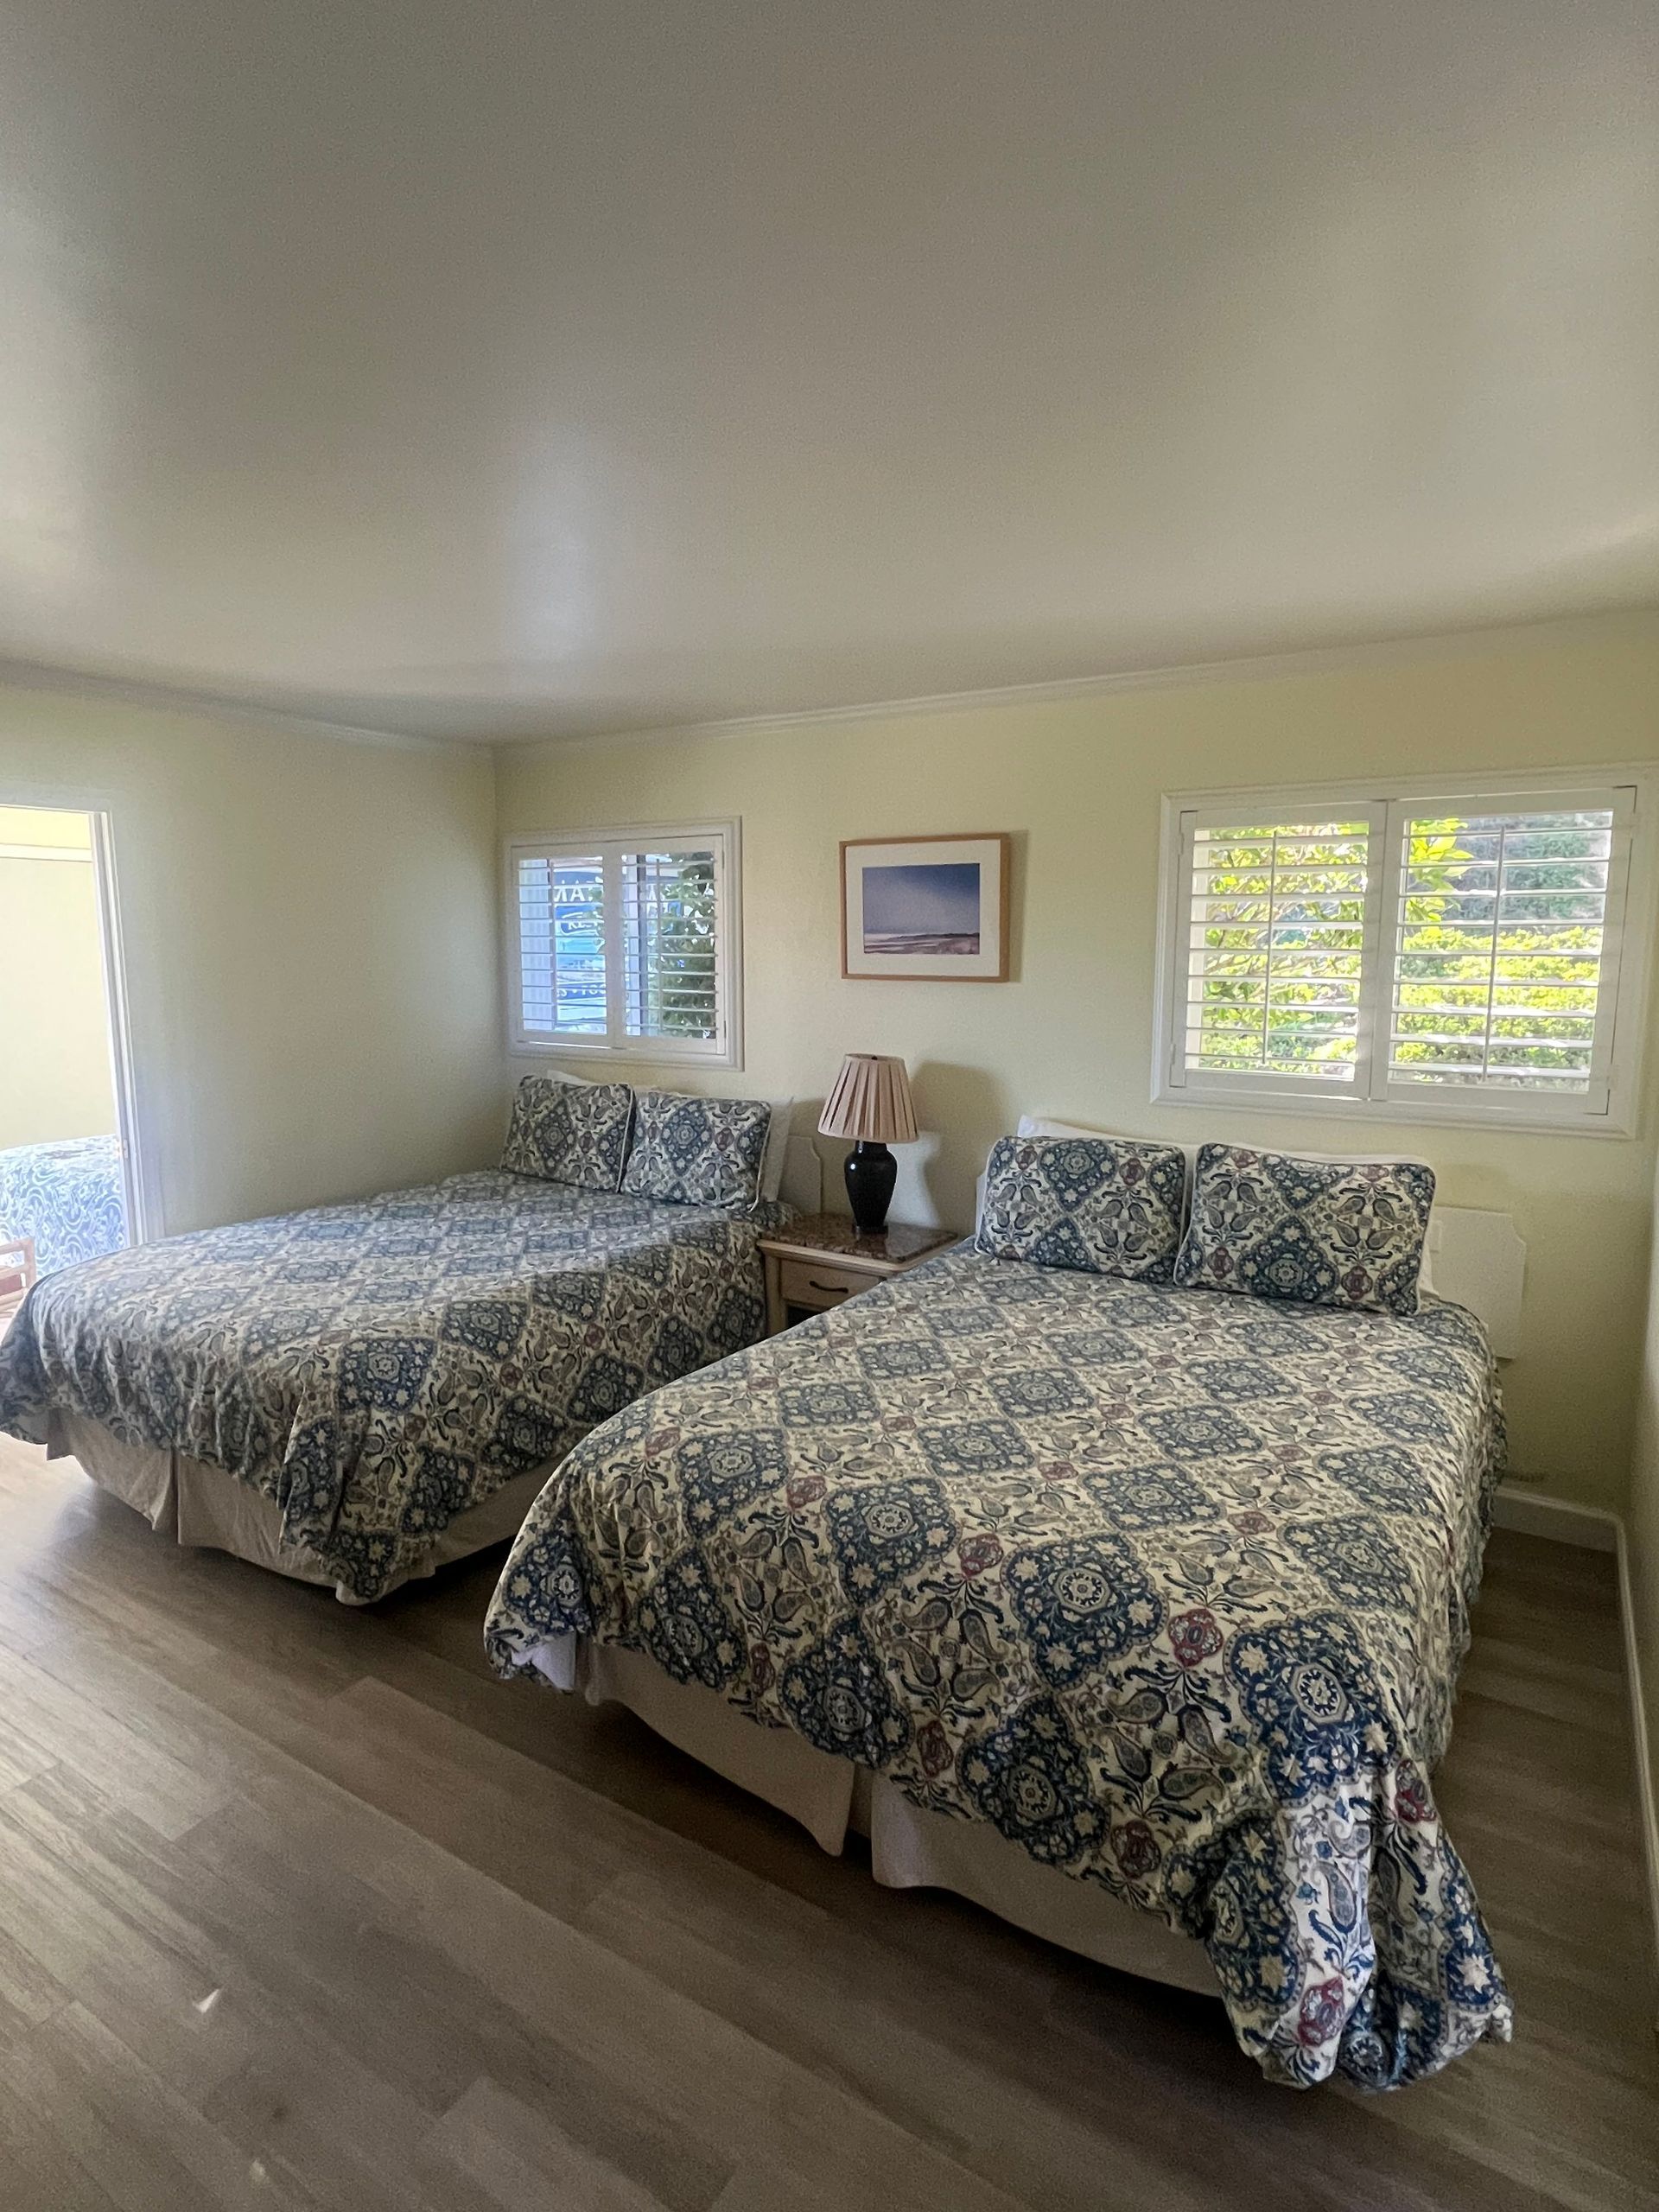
1612 1108
724 839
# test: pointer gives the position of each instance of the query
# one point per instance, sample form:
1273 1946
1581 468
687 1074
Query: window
626 942
1423 955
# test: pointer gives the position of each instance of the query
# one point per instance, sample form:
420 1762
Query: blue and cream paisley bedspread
1170 1587
376 1368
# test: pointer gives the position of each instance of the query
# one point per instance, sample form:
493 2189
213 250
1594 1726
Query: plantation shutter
1279 925
1505 927
1457 955
562 940
626 944
670 980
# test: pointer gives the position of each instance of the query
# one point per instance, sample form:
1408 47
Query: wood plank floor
299 1908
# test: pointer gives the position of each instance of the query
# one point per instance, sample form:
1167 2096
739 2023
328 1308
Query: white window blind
1454 955
1501 946
562 943
670 985
626 942
1277 920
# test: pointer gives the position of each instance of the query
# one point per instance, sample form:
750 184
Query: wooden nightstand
822 1261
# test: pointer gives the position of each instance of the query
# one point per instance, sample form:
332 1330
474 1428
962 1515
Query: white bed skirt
910 1848
200 1504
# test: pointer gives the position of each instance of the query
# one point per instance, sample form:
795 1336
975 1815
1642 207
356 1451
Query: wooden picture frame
931 910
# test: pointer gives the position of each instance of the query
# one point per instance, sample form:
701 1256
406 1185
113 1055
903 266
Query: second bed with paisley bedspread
1170 1587
376 1369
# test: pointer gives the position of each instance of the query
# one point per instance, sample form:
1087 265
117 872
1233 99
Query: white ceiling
499 368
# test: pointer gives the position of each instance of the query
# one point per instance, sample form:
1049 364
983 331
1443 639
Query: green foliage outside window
1495 953
671 984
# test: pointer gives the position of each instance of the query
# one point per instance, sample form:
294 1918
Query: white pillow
777 1152
1037 1125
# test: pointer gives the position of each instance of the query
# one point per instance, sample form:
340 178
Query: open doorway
67 1189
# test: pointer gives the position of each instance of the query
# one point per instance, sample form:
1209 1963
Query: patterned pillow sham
1109 1205
1324 1232
569 1132
698 1152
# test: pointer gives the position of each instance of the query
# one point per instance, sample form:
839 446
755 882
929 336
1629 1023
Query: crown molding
30 675
1641 622
1312 660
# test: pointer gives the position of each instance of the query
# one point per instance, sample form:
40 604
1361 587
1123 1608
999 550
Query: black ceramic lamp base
871 1171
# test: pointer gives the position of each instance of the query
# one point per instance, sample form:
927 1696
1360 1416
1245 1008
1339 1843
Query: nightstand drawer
815 1284
817 1262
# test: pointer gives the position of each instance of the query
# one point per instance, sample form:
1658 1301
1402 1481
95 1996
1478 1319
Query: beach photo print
926 909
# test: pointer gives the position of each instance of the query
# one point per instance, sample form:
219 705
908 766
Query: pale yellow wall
310 932
1641 1521
1079 782
310 945
55 1056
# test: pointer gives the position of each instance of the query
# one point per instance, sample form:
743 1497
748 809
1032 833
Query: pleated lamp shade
871 1101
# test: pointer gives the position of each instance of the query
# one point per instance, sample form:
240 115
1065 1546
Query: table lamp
871 1103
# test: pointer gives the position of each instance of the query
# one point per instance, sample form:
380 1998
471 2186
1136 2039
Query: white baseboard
1647 1817
1535 1513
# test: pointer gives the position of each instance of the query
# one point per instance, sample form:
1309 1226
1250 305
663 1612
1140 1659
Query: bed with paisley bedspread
375 1376
1167 1589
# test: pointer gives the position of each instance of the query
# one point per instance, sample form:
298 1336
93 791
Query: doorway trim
134 1180
138 1189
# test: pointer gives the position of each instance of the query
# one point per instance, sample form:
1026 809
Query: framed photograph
926 909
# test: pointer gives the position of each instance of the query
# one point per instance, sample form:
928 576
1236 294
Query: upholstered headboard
1477 1259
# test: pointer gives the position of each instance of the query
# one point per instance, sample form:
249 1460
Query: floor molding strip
1535 1513
1647 1816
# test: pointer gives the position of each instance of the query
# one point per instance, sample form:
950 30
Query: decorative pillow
1108 1205
569 1132
1327 1232
698 1152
